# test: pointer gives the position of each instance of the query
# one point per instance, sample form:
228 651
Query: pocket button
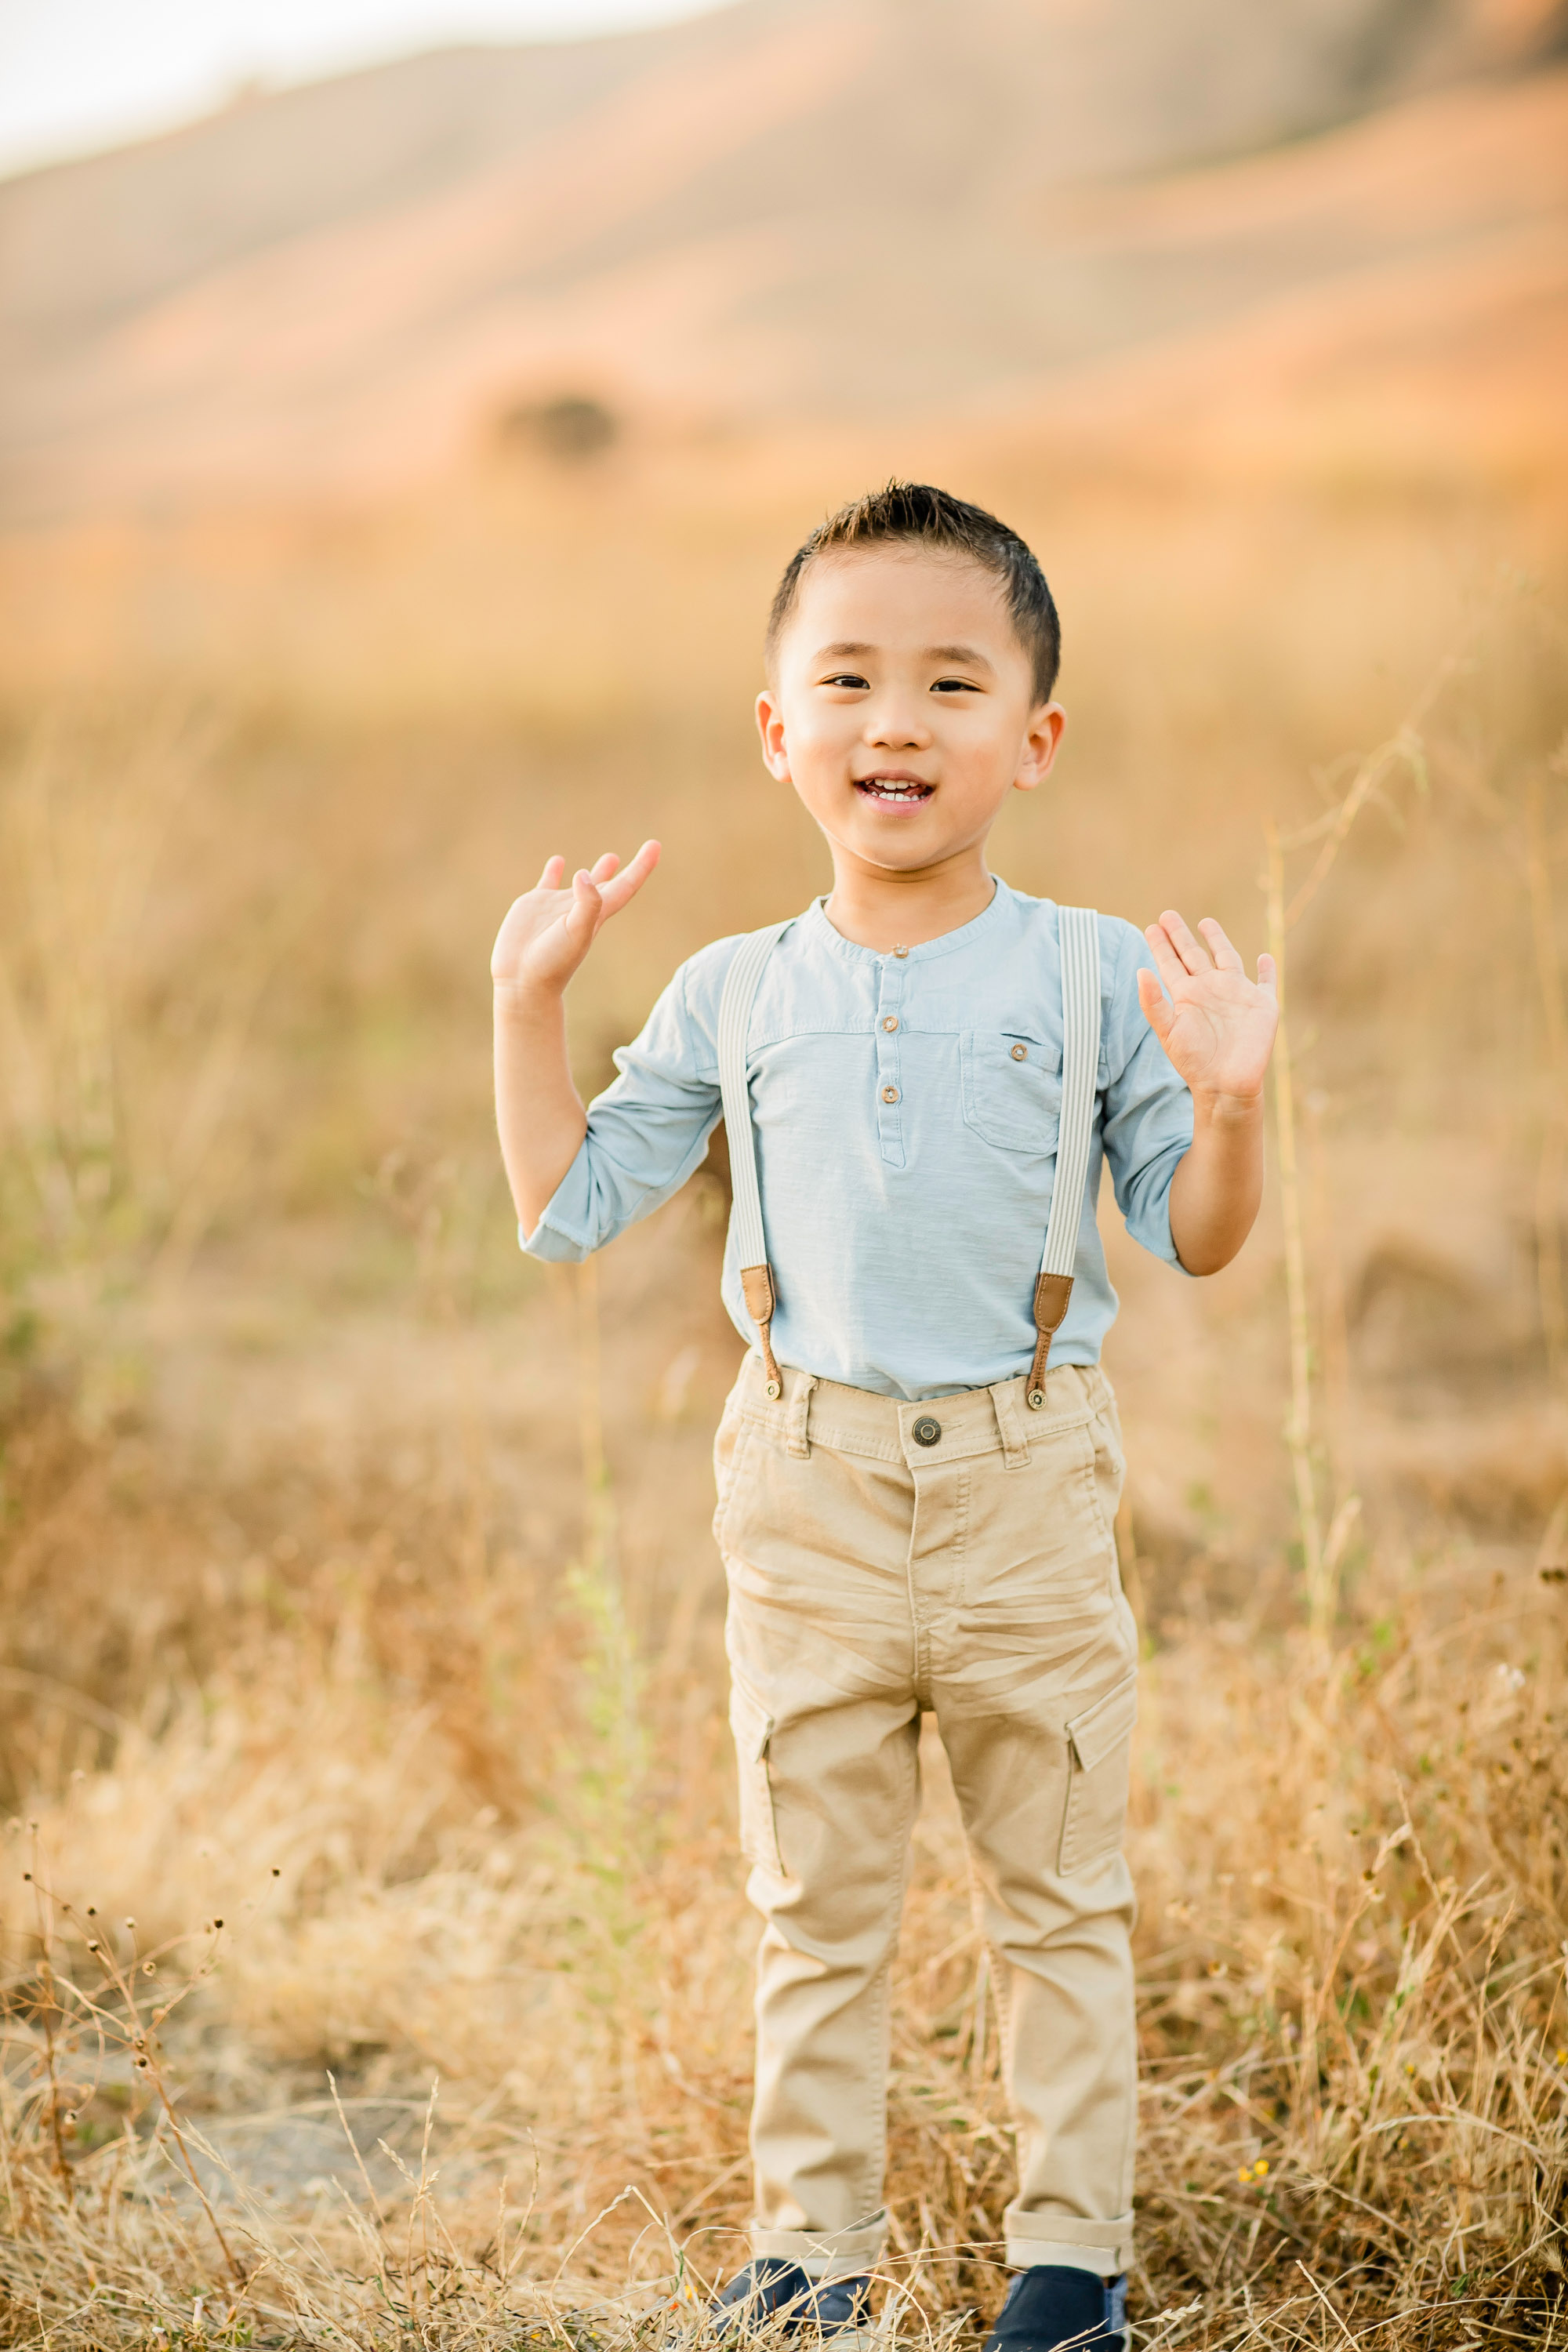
1020 1053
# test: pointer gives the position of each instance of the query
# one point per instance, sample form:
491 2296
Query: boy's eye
847 678
955 685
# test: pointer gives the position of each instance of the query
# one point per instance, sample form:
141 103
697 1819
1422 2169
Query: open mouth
894 792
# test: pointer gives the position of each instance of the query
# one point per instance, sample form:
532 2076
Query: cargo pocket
1099 1749
753 1728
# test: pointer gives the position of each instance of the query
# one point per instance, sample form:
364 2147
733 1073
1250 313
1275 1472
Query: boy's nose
893 726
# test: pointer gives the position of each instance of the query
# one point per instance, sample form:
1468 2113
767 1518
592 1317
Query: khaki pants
873 1575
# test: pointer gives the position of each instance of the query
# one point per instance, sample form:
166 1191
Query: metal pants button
926 1432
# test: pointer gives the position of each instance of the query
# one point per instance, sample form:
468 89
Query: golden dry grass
357 1592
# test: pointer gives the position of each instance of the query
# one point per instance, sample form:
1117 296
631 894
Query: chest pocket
1012 1090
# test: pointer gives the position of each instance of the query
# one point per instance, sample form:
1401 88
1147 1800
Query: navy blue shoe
1051 2308
772 2288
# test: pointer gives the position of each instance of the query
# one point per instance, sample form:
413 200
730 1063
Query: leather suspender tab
1052 1292
757 1285
762 1298
1078 934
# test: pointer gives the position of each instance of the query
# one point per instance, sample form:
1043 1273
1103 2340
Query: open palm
549 930
1216 1026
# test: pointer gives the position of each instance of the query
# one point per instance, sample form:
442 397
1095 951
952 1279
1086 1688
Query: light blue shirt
905 1144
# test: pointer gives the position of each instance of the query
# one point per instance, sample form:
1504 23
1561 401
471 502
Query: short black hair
924 517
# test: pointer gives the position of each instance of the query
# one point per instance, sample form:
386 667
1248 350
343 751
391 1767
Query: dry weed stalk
609 1770
120 1162
49 2010
1553 1151
1555 1127
126 2027
1533 849
1403 752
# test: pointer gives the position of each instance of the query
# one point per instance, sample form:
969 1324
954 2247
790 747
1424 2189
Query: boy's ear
770 726
1040 744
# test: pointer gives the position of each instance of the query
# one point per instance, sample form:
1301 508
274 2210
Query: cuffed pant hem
1105 2247
826 2254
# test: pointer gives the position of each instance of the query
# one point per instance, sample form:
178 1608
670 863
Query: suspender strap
746 1211
1080 945
1079 935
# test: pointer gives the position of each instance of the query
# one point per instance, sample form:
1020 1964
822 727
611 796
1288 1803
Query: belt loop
795 1439
1014 1445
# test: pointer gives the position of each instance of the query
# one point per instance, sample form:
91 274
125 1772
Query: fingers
1181 954
583 917
1173 971
1153 999
555 873
1194 955
1267 975
1219 947
627 884
601 889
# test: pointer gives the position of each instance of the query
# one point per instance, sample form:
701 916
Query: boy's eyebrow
846 648
969 654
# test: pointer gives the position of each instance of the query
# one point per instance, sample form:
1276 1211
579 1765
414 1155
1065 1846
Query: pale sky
80 74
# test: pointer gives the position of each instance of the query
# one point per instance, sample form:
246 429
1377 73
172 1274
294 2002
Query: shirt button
889 1094
892 1022
1020 1053
900 952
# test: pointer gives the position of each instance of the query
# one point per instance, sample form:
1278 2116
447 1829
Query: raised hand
549 930
1216 1026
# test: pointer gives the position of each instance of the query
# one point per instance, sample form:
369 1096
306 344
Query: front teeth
894 792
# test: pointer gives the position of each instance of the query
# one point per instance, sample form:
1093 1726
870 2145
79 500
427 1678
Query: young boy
920 1463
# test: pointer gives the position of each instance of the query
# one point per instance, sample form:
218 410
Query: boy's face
903 707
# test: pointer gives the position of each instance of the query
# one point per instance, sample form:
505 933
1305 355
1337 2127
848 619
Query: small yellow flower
1260 2167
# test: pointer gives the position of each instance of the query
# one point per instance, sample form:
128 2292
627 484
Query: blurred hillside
786 212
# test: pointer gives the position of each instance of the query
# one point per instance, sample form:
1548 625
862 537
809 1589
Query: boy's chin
899 855
897 844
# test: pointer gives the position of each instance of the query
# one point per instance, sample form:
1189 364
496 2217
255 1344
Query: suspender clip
1078 932
762 1298
1052 1292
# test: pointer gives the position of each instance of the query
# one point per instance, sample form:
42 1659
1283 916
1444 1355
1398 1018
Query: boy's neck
880 908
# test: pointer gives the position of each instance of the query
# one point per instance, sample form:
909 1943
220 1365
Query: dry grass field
375 1958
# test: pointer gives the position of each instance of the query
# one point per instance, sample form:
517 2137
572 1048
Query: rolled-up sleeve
647 1133
1148 1125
